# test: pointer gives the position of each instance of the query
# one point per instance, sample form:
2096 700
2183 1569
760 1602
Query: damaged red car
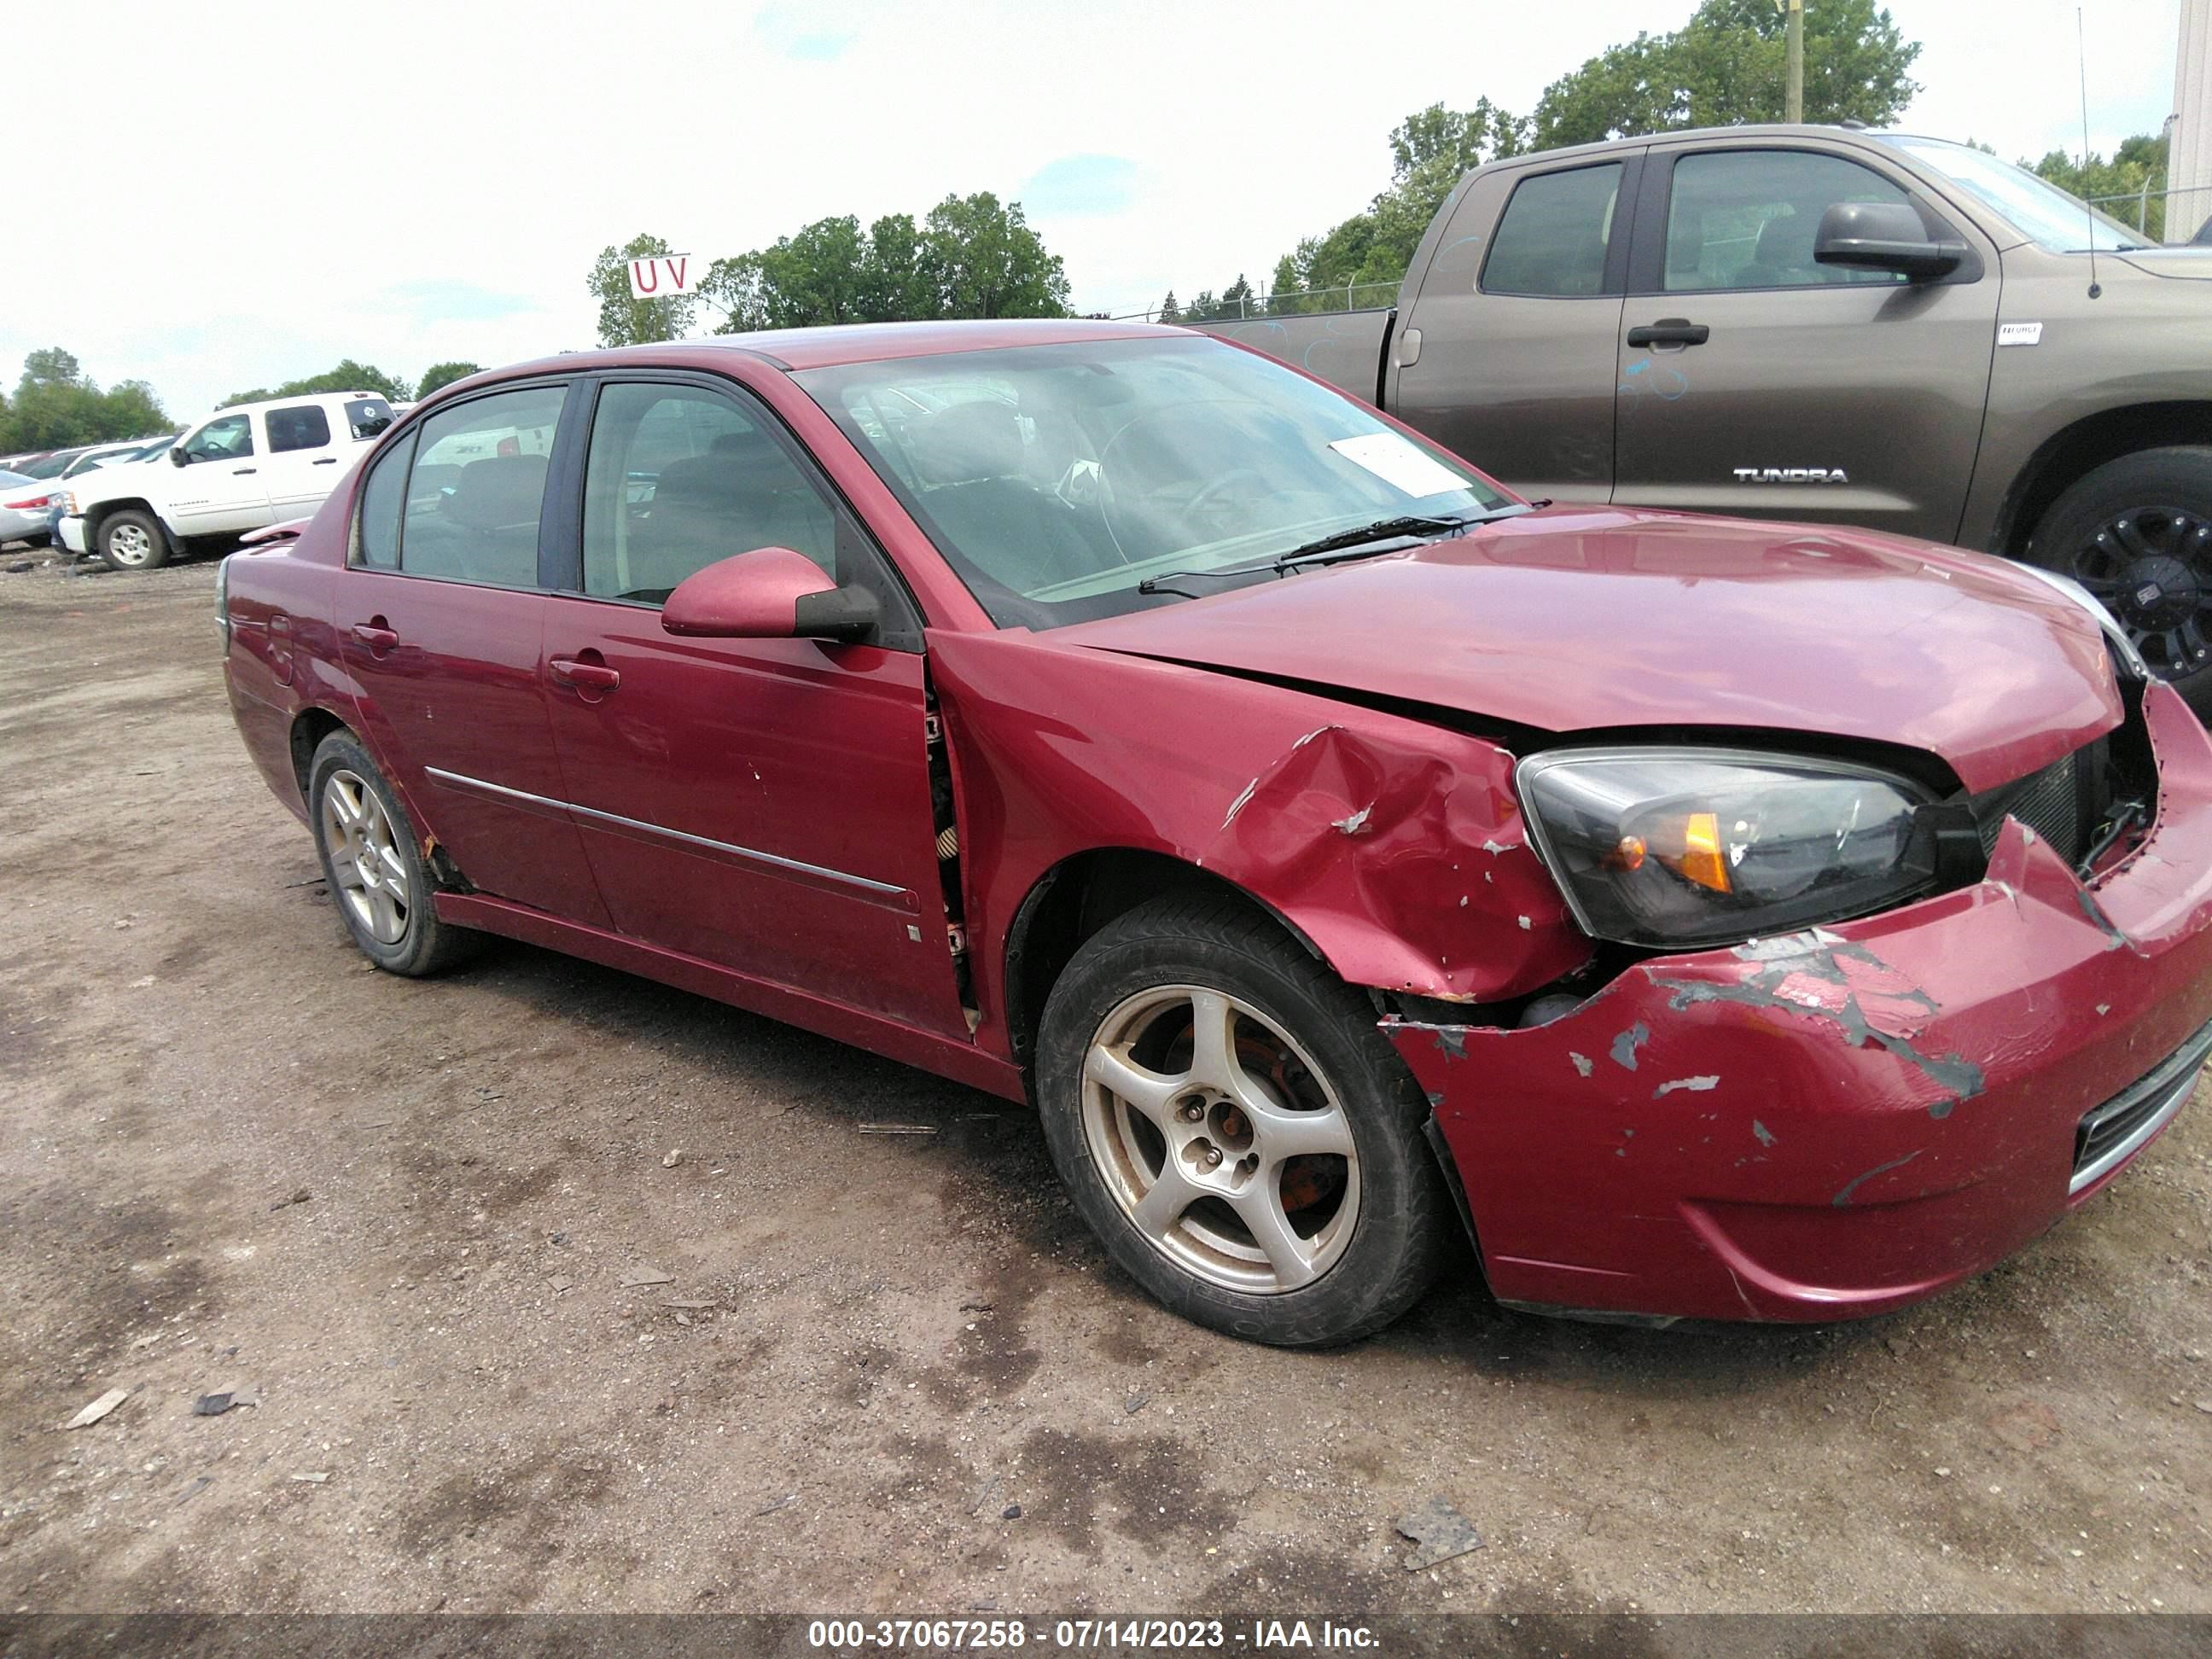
1710 919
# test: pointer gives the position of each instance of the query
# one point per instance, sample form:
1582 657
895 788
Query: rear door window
368 416
1552 237
477 486
305 427
383 498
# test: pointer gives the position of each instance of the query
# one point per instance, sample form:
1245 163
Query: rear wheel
377 876
2138 533
132 540
1236 1130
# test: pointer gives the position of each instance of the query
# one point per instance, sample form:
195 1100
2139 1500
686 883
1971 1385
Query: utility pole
1793 109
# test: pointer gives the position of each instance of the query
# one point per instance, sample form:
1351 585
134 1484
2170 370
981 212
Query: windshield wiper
1360 542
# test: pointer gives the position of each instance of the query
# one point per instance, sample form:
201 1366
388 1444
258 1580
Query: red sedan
1717 919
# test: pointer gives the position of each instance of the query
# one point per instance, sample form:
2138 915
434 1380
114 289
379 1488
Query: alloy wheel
1220 1139
129 544
365 860
2152 566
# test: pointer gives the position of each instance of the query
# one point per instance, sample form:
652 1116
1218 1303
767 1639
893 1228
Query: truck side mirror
1883 236
178 457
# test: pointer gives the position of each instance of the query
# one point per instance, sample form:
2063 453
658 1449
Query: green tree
983 259
2137 166
52 366
1727 66
895 287
439 374
626 321
1169 311
1237 300
57 406
347 376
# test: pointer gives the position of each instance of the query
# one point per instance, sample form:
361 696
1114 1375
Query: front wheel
1235 1129
131 540
373 864
2138 533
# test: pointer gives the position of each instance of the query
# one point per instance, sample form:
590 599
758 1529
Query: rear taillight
31 504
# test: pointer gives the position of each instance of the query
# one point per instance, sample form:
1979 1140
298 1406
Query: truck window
304 428
228 438
1747 218
1551 239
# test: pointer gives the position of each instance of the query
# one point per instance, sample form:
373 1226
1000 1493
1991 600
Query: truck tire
132 540
2138 533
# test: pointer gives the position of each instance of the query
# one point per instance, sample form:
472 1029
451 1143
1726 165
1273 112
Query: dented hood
1576 619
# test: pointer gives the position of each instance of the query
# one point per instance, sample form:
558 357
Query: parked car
248 465
25 506
1815 323
1724 919
47 464
117 454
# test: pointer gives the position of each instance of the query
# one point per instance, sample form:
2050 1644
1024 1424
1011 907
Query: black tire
2137 533
132 540
1402 1226
420 943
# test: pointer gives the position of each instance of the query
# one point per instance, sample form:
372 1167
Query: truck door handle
327 461
1669 331
376 635
240 472
592 676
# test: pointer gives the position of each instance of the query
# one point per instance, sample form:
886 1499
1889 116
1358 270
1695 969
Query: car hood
1580 619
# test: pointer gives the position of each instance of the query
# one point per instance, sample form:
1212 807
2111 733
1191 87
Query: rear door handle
376 635
594 676
327 461
1669 331
240 472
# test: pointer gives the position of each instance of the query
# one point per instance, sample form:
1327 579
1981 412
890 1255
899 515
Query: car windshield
2040 211
1057 478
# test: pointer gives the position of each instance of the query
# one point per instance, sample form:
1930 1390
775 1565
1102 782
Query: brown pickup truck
1820 323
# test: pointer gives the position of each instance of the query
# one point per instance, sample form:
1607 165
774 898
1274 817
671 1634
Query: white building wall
2190 162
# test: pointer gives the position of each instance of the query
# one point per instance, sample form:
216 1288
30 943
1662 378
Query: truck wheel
2138 533
131 540
1236 1131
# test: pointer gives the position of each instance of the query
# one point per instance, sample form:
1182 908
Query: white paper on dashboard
1399 463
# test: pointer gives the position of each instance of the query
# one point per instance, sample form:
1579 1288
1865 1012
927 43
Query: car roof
798 349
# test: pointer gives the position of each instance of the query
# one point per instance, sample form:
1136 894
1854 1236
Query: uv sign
664 275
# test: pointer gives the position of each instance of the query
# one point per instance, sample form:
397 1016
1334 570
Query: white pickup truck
243 467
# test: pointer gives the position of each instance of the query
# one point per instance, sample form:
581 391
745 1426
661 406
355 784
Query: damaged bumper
1842 1122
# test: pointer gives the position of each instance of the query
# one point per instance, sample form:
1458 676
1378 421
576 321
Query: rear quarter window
368 416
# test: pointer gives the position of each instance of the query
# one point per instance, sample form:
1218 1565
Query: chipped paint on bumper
1844 1122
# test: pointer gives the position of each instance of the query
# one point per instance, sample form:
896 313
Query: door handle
593 676
327 461
1669 331
240 472
376 635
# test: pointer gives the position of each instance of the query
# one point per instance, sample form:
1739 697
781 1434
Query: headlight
1676 846
2123 647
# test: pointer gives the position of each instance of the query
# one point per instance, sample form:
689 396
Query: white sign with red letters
665 275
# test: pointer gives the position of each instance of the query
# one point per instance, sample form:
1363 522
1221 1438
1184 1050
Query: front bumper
1843 1122
72 534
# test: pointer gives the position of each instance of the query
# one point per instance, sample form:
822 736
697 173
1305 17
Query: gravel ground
404 1212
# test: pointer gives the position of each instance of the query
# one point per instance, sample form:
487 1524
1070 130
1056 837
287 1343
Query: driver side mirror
769 594
178 456
1883 236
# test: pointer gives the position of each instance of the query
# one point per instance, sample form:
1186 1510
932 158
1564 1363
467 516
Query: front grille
2108 1135
2051 802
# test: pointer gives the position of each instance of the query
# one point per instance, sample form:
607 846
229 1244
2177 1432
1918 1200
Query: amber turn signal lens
1702 861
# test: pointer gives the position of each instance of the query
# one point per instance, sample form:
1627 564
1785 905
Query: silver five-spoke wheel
1220 1139
365 862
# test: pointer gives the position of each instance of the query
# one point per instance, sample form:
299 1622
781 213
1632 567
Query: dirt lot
236 1158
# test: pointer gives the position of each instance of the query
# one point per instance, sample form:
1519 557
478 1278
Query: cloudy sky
216 198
